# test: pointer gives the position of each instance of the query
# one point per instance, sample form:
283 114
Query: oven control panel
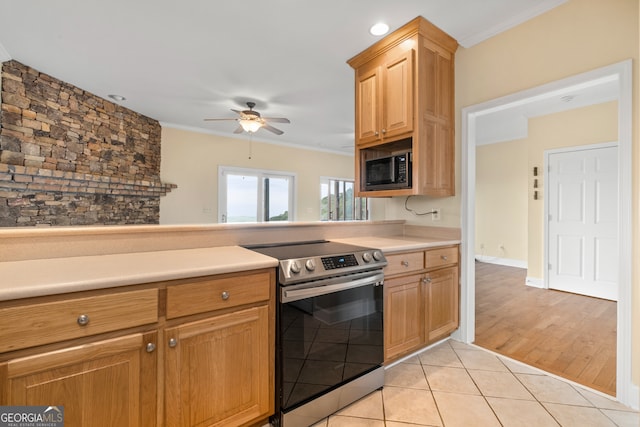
313 268
341 261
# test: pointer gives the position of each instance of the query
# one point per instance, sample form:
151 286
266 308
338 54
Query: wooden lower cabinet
421 299
217 370
442 303
403 319
188 352
104 383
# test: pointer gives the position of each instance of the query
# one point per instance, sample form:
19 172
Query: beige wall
191 160
501 201
578 36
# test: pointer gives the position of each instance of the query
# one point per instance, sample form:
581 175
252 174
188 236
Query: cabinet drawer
37 324
404 263
215 294
439 257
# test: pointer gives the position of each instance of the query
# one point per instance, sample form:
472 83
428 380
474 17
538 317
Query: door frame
626 392
547 154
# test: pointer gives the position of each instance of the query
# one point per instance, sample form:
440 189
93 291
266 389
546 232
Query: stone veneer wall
68 157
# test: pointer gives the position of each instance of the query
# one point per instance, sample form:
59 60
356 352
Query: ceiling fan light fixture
250 125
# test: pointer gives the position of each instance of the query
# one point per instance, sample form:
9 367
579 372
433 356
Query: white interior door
582 220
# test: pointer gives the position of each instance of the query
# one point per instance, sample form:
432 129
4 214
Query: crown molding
538 9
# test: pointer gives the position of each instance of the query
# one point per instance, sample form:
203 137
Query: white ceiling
183 61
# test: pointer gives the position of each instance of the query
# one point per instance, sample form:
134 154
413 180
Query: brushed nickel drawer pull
225 295
83 320
150 347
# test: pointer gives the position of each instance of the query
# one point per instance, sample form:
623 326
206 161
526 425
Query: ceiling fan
250 121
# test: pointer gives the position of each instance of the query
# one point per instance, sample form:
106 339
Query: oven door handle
289 295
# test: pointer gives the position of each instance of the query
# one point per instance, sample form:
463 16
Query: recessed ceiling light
379 29
117 98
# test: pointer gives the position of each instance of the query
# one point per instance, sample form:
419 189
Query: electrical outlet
435 214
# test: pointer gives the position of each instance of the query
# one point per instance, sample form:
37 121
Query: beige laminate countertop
24 279
397 244
31 278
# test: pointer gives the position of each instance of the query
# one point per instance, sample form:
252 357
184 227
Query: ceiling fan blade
236 111
239 129
272 129
217 120
277 119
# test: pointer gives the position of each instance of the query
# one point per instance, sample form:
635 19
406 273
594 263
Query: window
252 195
338 201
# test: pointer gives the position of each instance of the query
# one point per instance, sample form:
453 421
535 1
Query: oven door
330 334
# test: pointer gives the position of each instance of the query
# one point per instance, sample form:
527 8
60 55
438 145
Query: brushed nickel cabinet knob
83 320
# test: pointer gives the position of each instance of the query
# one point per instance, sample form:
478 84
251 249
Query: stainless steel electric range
329 336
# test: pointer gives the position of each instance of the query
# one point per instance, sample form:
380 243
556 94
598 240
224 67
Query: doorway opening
619 73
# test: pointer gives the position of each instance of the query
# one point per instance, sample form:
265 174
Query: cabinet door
437 121
218 370
397 102
403 318
441 312
106 383
368 102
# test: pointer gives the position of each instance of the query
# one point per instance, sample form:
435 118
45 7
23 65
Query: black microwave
388 173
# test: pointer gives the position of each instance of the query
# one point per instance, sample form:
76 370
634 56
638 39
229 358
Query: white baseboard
635 397
502 261
534 282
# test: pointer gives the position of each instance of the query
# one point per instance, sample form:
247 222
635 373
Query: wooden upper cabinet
384 100
438 120
367 104
405 102
397 101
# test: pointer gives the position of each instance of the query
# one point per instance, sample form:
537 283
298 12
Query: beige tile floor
454 384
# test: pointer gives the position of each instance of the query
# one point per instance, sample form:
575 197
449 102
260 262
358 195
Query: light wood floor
569 335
